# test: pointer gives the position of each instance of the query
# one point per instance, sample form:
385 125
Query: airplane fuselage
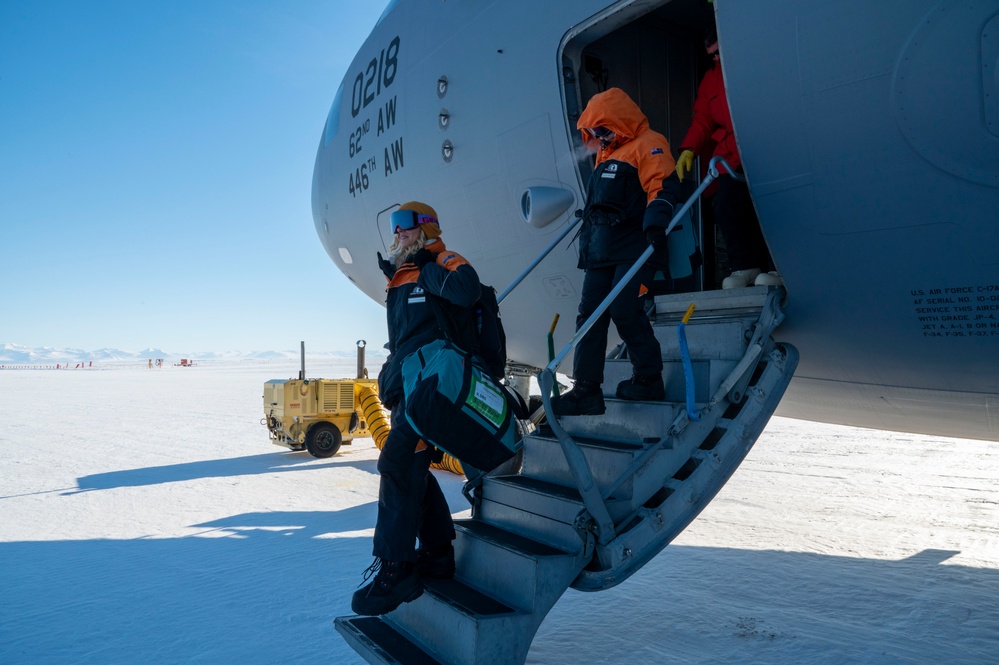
874 169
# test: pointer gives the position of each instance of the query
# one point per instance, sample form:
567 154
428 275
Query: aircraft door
657 58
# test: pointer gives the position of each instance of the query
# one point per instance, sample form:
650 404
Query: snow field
146 518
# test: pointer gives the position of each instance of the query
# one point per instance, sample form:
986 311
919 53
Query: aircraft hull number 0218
377 76
369 84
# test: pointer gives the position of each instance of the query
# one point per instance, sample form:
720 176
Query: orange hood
616 111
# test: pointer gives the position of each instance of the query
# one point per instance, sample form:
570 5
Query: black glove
423 257
387 266
656 235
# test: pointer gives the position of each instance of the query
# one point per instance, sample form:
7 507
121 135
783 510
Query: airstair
594 498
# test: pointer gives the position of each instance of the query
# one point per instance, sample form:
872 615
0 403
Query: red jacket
712 120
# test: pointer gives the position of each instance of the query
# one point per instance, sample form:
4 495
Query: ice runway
145 517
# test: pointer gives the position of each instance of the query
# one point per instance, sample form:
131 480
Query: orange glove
685 164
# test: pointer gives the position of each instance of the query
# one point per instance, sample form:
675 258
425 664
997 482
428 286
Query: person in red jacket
629 202
749 258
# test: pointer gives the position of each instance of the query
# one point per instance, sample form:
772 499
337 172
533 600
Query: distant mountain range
28 355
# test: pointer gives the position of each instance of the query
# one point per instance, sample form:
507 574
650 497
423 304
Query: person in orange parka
629 202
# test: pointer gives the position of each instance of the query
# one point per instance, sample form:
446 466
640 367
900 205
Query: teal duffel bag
453 403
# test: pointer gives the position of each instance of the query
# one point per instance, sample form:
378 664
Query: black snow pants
737 220
628 313
410 502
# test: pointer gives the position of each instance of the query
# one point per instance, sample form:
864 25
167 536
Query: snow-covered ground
146 518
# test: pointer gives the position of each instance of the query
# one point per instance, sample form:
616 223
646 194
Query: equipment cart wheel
323 440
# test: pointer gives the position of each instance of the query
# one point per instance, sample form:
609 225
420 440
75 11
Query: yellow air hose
380 426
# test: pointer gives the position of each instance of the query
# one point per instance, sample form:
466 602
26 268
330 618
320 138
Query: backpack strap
442 322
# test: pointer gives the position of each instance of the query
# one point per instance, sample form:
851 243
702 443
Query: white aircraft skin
869 134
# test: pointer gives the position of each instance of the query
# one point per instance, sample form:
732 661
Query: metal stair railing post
770 317
534 264
578 465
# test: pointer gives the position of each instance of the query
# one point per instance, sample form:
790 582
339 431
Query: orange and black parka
411 320
629 175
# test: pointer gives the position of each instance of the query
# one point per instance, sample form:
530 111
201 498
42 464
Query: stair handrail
771 316
534 264
581 472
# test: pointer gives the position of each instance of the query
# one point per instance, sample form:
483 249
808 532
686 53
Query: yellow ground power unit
317 415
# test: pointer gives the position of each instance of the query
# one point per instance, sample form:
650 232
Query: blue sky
155 173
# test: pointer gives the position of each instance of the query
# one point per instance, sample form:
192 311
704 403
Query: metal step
381 644
460 624
720 303
625 421
545 460
708 375
539 510
538 568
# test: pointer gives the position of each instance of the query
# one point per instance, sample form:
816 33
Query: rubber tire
323 440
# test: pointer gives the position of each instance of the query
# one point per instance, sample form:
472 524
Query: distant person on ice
410 502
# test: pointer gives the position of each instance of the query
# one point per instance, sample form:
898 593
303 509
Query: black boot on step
396 582
585 399
642 388
435 564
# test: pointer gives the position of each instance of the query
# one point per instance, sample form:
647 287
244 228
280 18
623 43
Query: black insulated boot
585 399
642 389
396 582
435 564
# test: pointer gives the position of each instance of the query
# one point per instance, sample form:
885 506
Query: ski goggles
602 134
599 133
404 220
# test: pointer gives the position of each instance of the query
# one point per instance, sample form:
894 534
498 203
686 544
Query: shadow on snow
217 468
267 586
